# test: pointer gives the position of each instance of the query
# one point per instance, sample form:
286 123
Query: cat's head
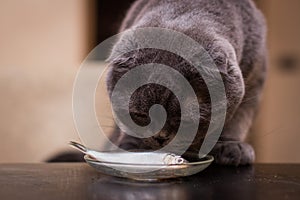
147 95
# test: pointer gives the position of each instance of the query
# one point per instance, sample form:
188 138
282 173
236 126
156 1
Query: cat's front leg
231 148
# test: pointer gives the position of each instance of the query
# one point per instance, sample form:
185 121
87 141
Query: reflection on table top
79 181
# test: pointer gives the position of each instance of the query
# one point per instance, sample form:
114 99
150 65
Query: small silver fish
150 158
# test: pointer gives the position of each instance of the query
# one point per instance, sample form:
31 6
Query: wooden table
79 181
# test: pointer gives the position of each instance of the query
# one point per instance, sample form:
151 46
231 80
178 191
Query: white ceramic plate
149 172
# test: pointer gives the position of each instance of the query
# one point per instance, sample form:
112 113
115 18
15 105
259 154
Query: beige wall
42 43
277 133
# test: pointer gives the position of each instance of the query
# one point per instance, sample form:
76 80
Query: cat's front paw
233 153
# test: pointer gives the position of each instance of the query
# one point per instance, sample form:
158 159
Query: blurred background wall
277 131
43 42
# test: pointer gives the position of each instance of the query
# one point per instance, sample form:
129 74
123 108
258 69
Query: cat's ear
225 58
222 63
223 55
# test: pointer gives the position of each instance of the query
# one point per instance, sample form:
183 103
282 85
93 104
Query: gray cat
233 33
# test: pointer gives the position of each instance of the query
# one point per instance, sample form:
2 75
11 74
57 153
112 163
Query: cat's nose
162 135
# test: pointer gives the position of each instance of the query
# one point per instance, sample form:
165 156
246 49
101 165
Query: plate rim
209 160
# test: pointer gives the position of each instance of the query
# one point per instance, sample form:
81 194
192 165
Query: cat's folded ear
225 59
223 55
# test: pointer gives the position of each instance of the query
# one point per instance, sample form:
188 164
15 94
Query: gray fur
233 33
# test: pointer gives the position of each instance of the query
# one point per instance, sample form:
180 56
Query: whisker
228 141
250 98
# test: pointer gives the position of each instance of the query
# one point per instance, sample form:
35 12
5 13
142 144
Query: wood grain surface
79 181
